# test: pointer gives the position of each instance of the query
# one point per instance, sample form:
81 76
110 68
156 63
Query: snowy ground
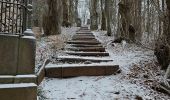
48 47
139 73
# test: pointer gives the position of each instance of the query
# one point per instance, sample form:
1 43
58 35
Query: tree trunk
127 28
93 15
103 22
76 12
52 17
65 13
108 9
162 48
71 12
138 21
123 10
168 32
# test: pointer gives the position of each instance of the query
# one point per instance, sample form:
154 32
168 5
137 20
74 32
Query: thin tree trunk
103 22
94 15
65 13
108 9
76 11
71 12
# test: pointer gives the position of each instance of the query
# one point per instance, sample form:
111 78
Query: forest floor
140 72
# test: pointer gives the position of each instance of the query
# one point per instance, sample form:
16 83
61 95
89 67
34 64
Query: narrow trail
83 47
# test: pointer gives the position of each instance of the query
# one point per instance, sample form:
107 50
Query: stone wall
24 91
17 54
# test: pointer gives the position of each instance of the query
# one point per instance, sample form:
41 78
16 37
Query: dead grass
148 75
37 31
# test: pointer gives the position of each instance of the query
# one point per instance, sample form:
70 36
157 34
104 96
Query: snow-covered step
83 38
84 42
82 35
79 45
79 32
87 49
88 53
83 59
84 28
73 70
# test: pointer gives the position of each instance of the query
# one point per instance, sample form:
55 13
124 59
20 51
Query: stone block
74 70
88 53
40 75
83 71
53 72
27 91
6 79
27 49
29 32
8 54
112 70
25 79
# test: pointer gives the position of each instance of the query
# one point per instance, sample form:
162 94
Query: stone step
88 53
84 35
87 49
80 45
85 39
84 28
40 75
73 70
84 42
85 31
79 32
82 59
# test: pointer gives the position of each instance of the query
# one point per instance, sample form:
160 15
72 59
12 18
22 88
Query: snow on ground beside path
93 88
115 87
52 45
131 54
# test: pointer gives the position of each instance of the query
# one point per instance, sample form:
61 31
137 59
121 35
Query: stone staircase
83 47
